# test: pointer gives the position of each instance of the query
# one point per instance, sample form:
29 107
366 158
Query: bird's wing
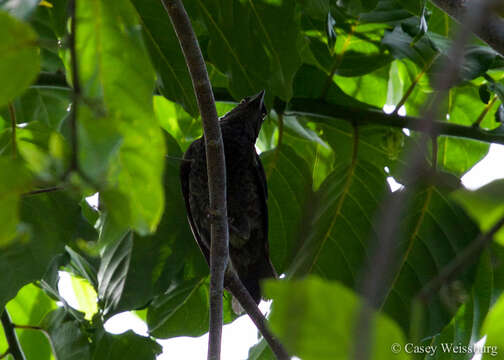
261 180
185 169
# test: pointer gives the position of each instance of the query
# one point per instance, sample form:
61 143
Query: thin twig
12 340
45 190
461 261
239 291
408 92
485 111
216 169
74 163
434 152
12 113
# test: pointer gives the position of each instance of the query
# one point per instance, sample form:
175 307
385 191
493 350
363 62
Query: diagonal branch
216 169
239 291
10 334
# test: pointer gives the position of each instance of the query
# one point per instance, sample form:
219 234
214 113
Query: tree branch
462 260
318 109
216 169
239 291
74 164
10 334
490 31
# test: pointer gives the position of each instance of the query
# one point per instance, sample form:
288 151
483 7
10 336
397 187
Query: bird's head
250 112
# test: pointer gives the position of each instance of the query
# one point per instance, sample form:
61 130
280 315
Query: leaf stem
337 62
434 152
485 112
12 113
12 340
408 92
74 164
219 251
45 190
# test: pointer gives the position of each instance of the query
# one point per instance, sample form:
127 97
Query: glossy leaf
49 222
485 205
19 57
300 319
111 56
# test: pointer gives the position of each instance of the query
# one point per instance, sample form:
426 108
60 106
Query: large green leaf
315 319
29 307
254 43
49 221
465 327
118 82
166 55
289 186
485 205
15 179
19 57
68 340
127 346
46 105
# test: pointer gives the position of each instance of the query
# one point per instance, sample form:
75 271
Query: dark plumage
246 194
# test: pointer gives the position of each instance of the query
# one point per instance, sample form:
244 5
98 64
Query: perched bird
246 194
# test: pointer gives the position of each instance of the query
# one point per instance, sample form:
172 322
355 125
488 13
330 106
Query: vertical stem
434 152
10 334
74 164
12 113
216 169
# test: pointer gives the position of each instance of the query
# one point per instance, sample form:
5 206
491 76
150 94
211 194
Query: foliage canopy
327 146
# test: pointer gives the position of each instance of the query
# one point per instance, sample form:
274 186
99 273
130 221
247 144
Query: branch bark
12 340
318 109
490 31
216 168
239 291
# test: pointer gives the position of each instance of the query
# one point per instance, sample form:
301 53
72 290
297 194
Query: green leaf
29 307
289 185
182 127
464 328
15 179
120 95
46 105
19 57
459 155
68 340
166 55
49 221
493 328
300 314
127 346
485 205
254 43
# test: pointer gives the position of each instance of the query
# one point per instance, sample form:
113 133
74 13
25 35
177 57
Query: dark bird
246 194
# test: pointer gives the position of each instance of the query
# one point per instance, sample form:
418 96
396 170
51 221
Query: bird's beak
258 97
